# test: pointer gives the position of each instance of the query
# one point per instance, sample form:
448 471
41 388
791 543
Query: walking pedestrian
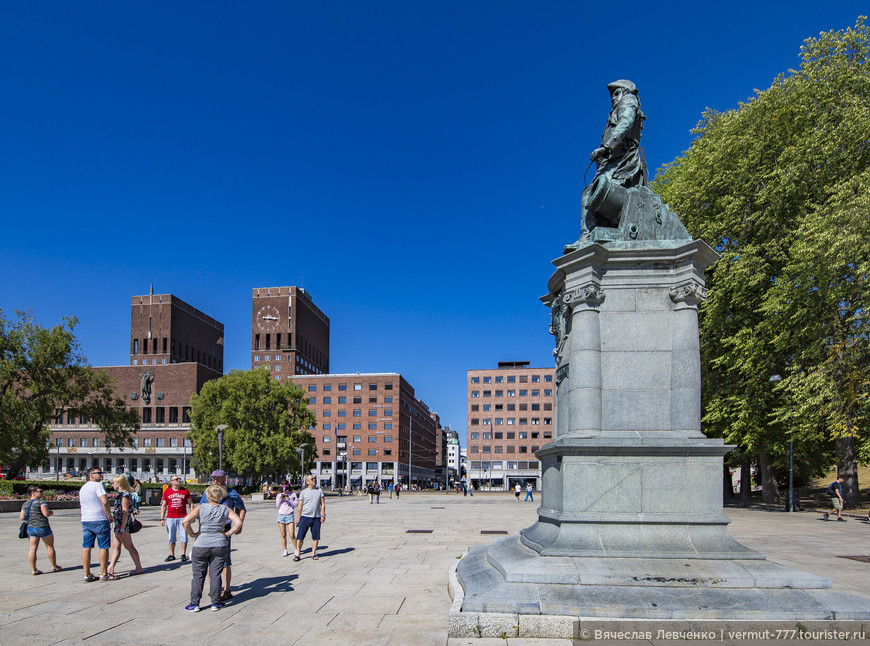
517 490
310 500
176 504
286 504
376 486
36 512
529 496
122 513
211 545
835 491
391 489
95 517
234 501
398 489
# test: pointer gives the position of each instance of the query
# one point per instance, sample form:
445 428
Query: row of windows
502 449
512 379
510 421
341 426
523 435
475 408
548 392
83 442
328 387
185 352
372 452
386 412
356 400
496 465
159 416
358 438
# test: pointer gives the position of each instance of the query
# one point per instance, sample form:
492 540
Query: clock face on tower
267 318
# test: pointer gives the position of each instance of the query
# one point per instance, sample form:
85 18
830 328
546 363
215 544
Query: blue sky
415 166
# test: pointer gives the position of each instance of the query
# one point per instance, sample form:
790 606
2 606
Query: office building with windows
510 416
370 426
289 333
174 350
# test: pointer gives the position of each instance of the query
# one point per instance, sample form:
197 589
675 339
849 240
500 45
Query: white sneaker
286 553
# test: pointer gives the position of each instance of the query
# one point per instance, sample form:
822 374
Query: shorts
98 530
175 530
838 504
285 519
304 523
39 532
229 561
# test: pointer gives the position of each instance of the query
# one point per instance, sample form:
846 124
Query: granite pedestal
630 525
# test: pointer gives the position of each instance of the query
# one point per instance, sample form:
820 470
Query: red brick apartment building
370 426
510 416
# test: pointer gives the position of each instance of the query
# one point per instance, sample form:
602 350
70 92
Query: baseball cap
220 473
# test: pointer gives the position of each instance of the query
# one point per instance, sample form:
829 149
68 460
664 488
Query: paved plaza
375 582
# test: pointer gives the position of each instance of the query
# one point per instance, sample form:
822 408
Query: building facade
174 350
289 334
510 416
453 457
370 426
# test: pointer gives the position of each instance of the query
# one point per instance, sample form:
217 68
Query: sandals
36 572
296 558
110 577
315 557
90 578
57 569
135 572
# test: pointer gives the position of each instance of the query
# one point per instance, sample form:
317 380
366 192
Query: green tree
778 186
267 421
44 375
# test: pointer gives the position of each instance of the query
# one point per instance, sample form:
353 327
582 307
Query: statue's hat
626 85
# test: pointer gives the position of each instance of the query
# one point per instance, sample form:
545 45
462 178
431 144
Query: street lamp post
220 433
57 460
789 505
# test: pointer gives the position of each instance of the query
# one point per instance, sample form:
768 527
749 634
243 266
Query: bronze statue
147 380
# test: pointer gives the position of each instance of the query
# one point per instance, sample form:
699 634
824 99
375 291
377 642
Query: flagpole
410 450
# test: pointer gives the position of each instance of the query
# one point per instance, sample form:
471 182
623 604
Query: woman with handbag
122 514
35 513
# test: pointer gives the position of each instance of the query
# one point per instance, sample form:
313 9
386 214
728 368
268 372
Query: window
498 436
499 393
342 386
524 393
535 435
269 356
511 407
327 439
487 380
327 413
510 421
388 412
357 438
536 393
357 426
173 441
499 380
498 449
355 452
373 386
326 451
512 393
71 441
536 421
524 435
388 399
327 400
475 408
524 407
160 442
373 400
536 407
548 378
342 413
327 426
357 400
510 435
524 379
511 379
388 426
327 387
311 387
341 426
388 438
524 449
487 435
487 393
373 413
487 449
357 412
475 421
357 386
373 438
548 406
160 415
499 421
173 414
278 358
475 393
342 400
548 392
536 379
84 442
146 415
373 426
474 380
373 452
388 452
312 401
146 441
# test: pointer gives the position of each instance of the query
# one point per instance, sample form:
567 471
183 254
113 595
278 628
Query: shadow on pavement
263 586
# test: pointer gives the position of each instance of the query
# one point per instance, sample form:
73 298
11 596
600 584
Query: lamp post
410 449
220 432
789 505
301 452
57 460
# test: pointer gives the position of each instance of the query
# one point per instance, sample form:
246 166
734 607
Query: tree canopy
267 421
44 375
779 186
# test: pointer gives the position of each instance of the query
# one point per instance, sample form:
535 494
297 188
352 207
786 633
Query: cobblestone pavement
375 583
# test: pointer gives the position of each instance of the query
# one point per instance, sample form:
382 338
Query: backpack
830 491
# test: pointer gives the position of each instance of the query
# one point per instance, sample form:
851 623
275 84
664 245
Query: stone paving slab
374 583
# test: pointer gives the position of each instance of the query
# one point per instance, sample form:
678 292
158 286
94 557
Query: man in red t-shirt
174 507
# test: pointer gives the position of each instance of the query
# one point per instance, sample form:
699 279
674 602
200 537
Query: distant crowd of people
219 515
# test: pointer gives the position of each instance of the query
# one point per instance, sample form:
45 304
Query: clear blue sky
414 165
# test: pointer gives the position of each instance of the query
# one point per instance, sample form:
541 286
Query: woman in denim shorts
286 504
38 528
